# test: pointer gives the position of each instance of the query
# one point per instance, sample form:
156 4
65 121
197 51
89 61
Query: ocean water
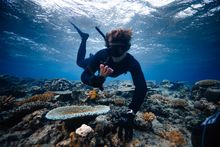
175 40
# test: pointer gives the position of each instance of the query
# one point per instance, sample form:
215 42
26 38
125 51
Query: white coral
84 130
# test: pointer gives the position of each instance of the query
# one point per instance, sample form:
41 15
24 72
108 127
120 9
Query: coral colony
64 113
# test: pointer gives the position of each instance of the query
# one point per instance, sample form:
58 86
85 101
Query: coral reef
70 112
166 117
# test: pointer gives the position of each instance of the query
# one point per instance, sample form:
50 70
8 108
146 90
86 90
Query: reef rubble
166 118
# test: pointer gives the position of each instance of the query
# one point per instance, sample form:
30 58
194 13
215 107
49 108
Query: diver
113 61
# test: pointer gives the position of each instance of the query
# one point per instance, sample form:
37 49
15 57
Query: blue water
175 40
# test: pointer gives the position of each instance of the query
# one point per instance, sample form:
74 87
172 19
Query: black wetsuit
128 64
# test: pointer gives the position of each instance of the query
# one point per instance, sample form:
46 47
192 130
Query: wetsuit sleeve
88 76
140 86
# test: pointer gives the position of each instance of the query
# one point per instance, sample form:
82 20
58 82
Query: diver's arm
140 86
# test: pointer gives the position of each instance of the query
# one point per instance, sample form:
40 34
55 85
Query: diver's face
116 50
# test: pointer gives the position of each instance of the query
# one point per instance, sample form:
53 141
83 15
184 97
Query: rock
84 130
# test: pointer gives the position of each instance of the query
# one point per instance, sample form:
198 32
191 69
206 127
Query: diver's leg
81 61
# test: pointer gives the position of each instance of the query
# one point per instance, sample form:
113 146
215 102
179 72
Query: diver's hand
124 127
105 70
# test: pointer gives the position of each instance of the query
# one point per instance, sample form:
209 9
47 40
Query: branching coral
174 137
6 102
92 94
75 111
47 96
149 116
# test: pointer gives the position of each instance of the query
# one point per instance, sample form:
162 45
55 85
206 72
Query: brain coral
75 111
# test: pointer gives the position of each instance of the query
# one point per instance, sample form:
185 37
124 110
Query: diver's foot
83 35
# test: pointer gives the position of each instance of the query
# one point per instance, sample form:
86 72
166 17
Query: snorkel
102 34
